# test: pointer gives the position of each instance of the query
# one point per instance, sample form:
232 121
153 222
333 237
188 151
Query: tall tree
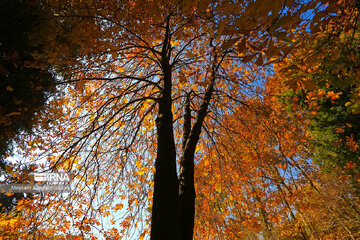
259 181
126 62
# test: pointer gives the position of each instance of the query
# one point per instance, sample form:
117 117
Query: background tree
326 91
261 181
26 81
24 85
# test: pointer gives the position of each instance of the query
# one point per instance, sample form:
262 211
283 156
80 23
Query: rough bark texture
164 222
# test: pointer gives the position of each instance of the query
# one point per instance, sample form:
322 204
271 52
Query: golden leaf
13 114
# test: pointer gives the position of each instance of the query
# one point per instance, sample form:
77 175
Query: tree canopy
195 120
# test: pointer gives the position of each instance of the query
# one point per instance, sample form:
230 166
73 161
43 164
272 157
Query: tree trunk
266 225
164 221
187 188
186 180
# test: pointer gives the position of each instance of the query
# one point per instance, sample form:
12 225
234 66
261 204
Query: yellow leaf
118 206
138 164
313 113
92 117
194 87
339 130
333 95
13 114
348 104
9 88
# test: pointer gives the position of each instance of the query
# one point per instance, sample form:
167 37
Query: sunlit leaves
253 160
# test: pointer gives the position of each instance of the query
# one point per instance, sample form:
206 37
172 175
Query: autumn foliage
194 120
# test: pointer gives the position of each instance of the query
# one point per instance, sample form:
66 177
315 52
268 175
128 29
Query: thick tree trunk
164 224
165 220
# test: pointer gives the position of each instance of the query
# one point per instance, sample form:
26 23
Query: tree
327 93
260 182
26 82
254 176
24 85
130 61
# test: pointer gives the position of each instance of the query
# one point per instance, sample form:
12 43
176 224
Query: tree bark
187 192
164 221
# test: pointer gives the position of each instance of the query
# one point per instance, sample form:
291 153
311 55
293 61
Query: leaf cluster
25 82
